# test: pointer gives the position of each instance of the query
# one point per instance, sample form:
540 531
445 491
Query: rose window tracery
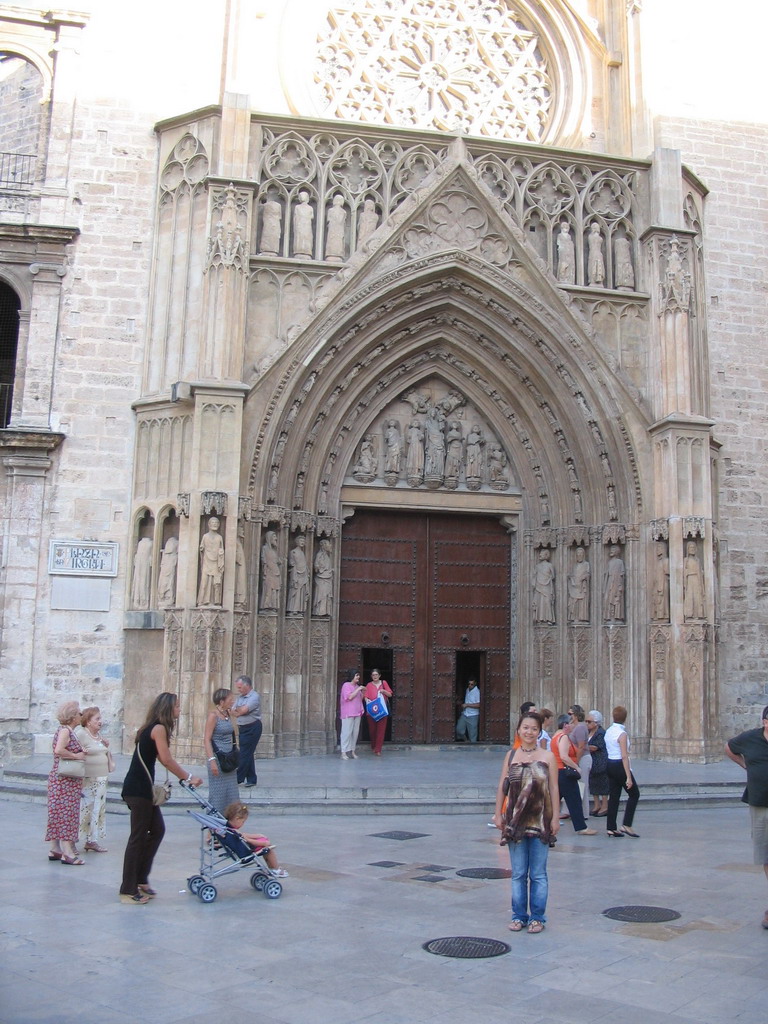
471 66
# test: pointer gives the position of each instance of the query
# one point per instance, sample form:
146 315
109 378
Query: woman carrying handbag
377 688
220 741
65 784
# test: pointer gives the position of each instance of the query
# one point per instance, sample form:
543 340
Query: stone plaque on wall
82 558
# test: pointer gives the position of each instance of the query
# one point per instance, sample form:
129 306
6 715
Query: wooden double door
425 598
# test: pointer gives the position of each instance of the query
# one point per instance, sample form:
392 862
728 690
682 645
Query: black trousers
249 740
147 831
617 780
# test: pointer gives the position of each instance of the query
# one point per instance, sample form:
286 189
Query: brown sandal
534 927
516 926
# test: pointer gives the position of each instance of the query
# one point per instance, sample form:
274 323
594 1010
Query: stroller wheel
272 889
207 893
259 880
194 883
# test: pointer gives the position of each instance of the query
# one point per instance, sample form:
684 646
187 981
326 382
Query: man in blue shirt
750 750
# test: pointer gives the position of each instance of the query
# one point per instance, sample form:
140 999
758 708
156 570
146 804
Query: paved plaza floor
344 942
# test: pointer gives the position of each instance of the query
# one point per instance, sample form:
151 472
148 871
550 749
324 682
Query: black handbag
228 760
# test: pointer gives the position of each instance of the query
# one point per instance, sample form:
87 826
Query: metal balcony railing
17 170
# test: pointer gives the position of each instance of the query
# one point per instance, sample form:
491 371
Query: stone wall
20 110
731 159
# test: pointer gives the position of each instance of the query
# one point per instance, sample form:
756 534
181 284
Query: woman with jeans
620 777
147 827
528 822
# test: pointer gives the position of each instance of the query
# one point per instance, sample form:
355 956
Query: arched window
21 93
9 337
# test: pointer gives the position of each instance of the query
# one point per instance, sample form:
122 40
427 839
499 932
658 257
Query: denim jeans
529 863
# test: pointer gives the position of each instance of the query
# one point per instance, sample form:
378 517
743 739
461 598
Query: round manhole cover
641 915
467 947
485 873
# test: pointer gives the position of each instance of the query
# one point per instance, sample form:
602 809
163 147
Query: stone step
445 798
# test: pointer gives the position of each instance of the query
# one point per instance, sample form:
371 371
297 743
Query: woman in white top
620 776
93 806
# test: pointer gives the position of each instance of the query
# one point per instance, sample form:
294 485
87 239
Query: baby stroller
223 851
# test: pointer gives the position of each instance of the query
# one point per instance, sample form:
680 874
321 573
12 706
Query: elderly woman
64 791
598 774
93 806
147 827
219 739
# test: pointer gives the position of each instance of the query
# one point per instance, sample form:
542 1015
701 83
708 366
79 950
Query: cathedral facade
391 339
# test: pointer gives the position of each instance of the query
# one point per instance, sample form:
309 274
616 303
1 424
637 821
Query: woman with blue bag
377 693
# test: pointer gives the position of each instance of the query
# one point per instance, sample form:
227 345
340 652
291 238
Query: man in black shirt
750 750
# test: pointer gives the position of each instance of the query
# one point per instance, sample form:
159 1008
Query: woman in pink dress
64 793
377 687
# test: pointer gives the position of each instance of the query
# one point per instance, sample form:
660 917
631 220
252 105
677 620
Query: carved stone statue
393 450
367 223
544 589
271 227
298 578
365 467
166 580
566 256
335 225
693 583
241 573
303 218
475 445
434 459
142 573
622 262
613 585
453 454
414 467
578 588
323 580
498 477
211 565
595 262
269 594
660 606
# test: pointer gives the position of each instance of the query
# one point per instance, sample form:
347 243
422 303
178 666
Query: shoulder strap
138 751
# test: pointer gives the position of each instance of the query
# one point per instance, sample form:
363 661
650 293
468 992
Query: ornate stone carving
578 587
269 590
166 580
187 164
624 272
182 501
660 582
566 255
322 602
303 230
271 226
213 502
543 583
228 247
675 286
142 573
434 66
241 571
596 262
211 565
614 586
298 578
693 583
336 230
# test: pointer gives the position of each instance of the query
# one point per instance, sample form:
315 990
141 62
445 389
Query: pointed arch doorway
428 596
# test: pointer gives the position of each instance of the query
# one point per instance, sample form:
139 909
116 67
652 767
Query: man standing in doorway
750 750
247 710
469 719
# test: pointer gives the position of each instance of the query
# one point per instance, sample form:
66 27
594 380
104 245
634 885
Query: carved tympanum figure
269 593
365 467
303 219
453 453
566 257
578 588
660 606
298 578
415 460
241 573
475 445
613 585
211 564
693 583
142 573
498 477
393 448
544 589
434 459
335 226
595 261
166 580
323 580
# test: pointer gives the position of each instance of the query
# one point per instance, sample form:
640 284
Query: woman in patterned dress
64 793
219 729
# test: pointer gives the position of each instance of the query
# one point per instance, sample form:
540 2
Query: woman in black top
147 827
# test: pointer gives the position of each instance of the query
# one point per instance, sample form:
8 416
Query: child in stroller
236 815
